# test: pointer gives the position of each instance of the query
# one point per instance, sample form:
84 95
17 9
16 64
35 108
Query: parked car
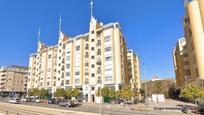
200 109
117 101
51 101
15 101
37 100
23 100
66 103
76 102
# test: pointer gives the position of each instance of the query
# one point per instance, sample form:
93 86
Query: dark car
51 101
66 103
200 109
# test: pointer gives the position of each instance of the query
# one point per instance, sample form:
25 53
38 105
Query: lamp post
100 101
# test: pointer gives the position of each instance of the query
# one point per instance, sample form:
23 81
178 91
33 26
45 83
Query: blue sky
151 27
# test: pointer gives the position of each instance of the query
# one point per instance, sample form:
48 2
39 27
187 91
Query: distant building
189 52
155 78
13 80
133 69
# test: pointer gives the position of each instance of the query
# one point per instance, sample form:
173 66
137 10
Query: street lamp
100 101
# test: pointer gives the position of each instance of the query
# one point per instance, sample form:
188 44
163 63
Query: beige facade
13 80
133 69
87 62
194 37
181 63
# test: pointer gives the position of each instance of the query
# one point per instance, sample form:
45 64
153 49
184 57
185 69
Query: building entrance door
93 98
86 97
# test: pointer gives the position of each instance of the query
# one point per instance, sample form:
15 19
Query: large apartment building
133 69
194 48
13 81
88 62
181 63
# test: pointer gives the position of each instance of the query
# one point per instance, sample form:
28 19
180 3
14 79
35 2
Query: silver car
66 103
15 101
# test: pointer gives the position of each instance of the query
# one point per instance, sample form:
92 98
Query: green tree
103 92
44 94
111 94
157 86
192 92
69 93
142 92
118 94
127 93
75 92
34 92
60 92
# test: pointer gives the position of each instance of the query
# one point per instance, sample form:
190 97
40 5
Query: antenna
60 23
38 35
91 8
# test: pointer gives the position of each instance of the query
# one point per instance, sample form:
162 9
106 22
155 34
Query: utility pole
146 100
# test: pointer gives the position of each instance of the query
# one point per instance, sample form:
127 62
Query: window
62 82
108 58
77 81
108 78
92 65
67 74
68 58
99 43
108 49
107 38
99 52
92 57
108 69
77 48
92 40
86 73
92 88
86 39
49 56
86 55
77 73
48 69
87 46
67 82
92 48
86 81
86 64
92 75
68 66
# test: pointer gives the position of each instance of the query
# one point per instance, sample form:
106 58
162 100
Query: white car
24 100
37 100
14 101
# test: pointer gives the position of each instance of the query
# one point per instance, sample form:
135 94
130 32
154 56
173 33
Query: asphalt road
95 109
